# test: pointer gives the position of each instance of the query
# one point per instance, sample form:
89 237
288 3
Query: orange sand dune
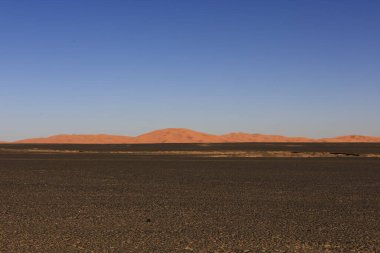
182 135
81 139
177 135
351 138
244 137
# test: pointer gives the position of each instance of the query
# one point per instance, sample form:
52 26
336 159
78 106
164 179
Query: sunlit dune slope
81 139
351 138
244 137
183 135
178 135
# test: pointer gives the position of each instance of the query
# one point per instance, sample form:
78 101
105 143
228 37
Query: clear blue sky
309 68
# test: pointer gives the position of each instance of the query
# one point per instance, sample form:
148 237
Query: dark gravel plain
127 203
352 148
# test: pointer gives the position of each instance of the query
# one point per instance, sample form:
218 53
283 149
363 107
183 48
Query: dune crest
177 135
183 135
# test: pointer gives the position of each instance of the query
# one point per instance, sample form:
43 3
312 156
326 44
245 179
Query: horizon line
204 134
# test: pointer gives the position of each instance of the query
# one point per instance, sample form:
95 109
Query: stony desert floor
184 198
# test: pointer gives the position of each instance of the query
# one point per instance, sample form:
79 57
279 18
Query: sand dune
82 139
178 135
182 135
351 138
244 137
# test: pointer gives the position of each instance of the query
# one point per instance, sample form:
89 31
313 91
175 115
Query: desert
184 198
198 126
183 135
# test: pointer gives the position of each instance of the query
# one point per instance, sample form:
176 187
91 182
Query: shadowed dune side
183 135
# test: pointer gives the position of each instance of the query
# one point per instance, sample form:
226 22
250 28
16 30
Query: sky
295 68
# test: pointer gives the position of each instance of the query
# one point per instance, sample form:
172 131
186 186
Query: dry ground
122 202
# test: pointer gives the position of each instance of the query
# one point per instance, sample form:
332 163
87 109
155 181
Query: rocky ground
102 202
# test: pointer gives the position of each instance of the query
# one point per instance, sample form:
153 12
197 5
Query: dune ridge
183 135
351 138
81 139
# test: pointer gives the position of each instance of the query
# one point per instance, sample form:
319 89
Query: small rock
188 248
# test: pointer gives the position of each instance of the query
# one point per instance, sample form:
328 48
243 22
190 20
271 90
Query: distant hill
183 135
178 135
81 139
351 138
244 137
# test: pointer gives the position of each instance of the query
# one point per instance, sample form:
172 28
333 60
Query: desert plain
190 197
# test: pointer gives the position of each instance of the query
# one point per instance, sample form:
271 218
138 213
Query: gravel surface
125 203
352 148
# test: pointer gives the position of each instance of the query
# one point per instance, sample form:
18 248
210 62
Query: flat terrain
105 201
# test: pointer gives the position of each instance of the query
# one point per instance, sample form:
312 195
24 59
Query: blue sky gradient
296 68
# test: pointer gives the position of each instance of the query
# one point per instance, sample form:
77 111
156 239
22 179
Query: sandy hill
177 135
182 135
81 139
351 138
244 137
